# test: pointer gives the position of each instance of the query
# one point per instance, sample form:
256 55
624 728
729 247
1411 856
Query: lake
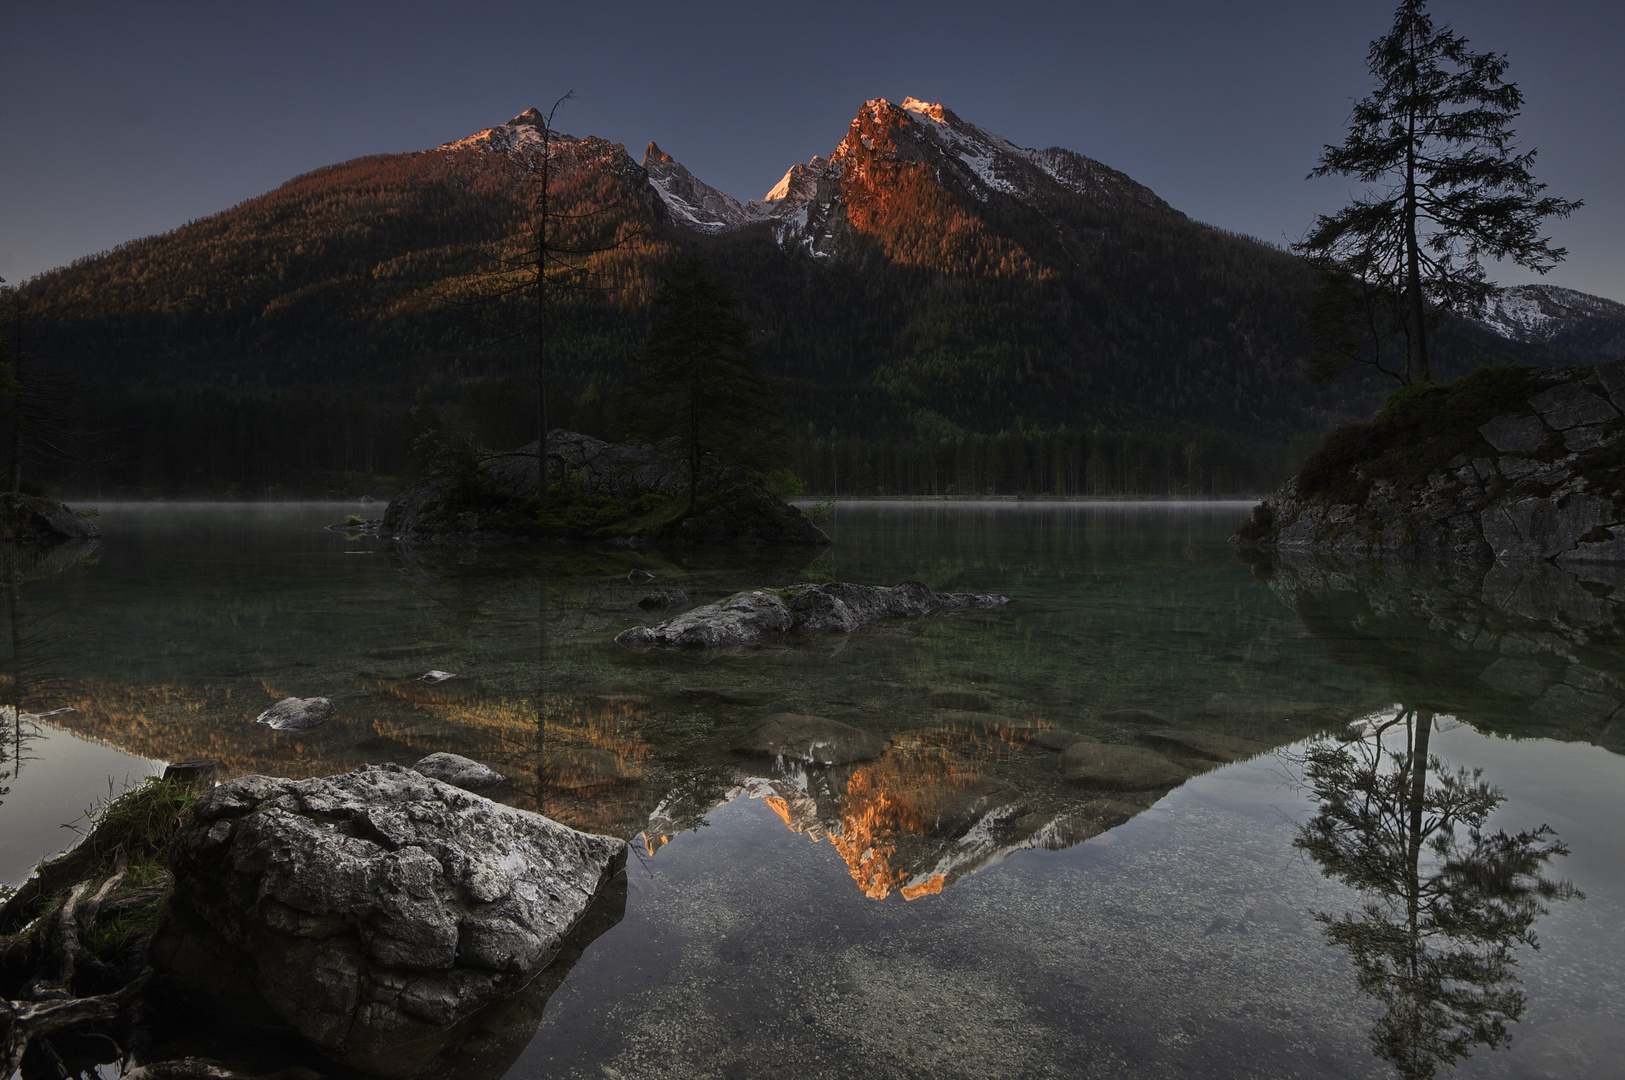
1299 906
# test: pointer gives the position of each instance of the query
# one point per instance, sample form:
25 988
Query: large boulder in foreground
1507 463
761 617
374 912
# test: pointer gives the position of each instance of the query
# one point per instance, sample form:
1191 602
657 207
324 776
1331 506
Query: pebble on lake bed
437 676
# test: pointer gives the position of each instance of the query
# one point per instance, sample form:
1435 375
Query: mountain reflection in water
1058 927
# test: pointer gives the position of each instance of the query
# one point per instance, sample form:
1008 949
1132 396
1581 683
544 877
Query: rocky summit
373 912
1512 464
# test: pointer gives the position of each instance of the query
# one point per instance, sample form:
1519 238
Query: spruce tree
698 381
1449 192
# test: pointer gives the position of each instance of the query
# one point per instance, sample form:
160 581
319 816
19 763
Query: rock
1201 744
194 776
458 771
732 695
33 519
374 912
967 700
297 714
1134 718
1059 739
1571 404
1120 768
663 598
1514 434
436 676
1390 485
493 500
814 740
753 618
639 577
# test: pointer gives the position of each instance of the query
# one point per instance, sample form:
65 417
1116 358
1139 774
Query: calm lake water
1299 907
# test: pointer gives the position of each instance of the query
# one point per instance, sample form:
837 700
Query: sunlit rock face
373 912
1522 649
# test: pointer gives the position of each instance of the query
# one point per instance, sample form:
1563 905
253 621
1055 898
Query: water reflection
1517 650
1446 903
26 675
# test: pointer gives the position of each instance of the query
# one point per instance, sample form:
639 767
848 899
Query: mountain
948 312
1591 326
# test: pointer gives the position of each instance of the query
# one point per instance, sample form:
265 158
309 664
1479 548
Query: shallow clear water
955 907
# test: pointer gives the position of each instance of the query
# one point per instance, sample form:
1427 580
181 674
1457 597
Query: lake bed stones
811 740
1120 768
297 714
458 771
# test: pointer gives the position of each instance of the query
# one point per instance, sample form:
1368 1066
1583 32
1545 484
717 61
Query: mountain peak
531 117
654 153
927 108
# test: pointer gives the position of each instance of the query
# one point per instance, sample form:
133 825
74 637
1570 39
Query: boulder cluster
1516 465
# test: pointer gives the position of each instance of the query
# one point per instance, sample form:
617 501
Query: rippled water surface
1281 904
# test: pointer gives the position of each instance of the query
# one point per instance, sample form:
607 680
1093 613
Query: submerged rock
373 912
815 740
458 771
659 599
753 618
1059 739
297 714
1120 768
1201 744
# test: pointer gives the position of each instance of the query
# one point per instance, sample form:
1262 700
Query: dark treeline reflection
1445 903
27 639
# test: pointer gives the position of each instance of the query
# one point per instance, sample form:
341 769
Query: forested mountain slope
926 282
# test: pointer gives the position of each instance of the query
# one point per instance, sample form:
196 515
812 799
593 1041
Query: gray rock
1135 718
297 714
663 598
372 912
639 577
437 676
1058 739
1590 437
1210 745
964 700
1568 405
815 740
1535 528
458 771
1516 677
1120 768
753 618
1514 434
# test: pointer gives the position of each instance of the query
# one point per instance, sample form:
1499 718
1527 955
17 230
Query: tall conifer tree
1449 192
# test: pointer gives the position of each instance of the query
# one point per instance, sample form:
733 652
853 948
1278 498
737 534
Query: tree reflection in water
1446 903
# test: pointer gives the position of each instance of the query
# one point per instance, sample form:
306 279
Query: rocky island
36 519
598 491
1507 463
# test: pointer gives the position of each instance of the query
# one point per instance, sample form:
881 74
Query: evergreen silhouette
698 383
1449 192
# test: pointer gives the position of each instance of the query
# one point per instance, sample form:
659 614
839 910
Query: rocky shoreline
1511 464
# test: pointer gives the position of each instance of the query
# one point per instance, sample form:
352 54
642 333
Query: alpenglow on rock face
757 617
375 911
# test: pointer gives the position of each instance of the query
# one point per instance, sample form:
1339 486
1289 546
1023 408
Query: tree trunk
1417 368
541 321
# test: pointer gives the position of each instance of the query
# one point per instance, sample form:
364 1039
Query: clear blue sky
119 120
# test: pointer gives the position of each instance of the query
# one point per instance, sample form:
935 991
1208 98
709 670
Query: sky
121 120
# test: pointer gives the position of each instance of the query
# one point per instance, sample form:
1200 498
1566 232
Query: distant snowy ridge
1552 315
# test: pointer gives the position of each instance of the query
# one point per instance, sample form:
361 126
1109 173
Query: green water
956 907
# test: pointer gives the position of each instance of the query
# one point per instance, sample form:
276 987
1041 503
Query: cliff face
1512 464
